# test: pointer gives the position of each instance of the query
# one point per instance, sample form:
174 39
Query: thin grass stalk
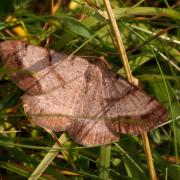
151 11
121 49
104 161
55 6
48 159
124 58
172 113
149 158
52 8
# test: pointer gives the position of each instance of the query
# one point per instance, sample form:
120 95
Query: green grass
150 33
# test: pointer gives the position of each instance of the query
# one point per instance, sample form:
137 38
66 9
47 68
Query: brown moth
70 93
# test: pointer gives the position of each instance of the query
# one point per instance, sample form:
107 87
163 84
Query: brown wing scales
71 93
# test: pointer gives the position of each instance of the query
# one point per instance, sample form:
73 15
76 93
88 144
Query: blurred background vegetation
150 32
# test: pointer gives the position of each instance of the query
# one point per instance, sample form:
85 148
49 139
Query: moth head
9 49
12 54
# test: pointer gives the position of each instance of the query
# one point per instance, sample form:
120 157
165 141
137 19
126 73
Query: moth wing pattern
72 93
129 109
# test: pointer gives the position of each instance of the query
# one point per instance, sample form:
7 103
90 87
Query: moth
70 93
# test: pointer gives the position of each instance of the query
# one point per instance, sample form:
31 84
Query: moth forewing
82 97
